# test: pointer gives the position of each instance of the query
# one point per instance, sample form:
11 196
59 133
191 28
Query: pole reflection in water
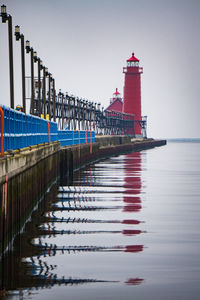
84 233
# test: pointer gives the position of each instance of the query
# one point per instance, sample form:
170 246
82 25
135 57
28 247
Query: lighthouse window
132 63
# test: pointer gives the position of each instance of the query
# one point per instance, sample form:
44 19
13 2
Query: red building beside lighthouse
132 92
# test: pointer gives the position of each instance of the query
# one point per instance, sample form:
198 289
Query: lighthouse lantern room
116 95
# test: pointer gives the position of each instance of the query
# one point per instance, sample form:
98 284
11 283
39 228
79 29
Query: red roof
116 105
133 58
116 93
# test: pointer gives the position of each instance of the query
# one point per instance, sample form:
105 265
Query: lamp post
49 96
54 101
74 112
84 115
90 116
79 112
60 100
42 100
45 72
38 103
39 88
38 61
21 37
59 108
5 17
30 49
68 110
62 111
87 115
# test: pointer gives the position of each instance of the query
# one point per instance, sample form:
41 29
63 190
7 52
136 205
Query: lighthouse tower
132 91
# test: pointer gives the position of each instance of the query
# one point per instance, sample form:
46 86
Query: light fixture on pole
44 90
6 17
21 37
49 95
30 50
37 60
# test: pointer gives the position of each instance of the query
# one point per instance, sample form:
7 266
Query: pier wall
26 175
24 178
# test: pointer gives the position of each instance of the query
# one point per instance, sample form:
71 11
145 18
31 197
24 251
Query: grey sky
85 45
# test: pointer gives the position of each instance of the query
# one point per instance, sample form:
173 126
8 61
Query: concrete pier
26 174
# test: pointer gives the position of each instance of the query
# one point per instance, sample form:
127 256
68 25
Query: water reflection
96 217
134 281
107 253
51 218
52 249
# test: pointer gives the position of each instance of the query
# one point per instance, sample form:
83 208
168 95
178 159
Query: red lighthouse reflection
132 182
132 198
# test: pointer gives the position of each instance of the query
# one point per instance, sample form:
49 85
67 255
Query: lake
127 227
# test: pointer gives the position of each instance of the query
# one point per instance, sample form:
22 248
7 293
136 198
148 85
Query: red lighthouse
132 91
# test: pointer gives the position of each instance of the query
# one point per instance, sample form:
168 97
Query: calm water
126 228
